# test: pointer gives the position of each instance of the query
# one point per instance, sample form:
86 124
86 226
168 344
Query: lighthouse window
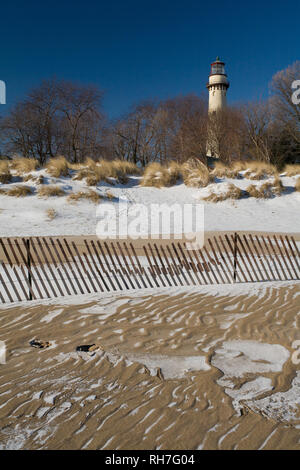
217 68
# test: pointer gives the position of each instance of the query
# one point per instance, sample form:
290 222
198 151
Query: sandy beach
189 368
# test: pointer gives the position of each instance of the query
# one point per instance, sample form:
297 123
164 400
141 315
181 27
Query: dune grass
233 192
223 171
158 176
90 195
58 167
19 191
297 185
196 174
265 191
259 170
51 213
292 170
103 170
50 191
24 165
5 174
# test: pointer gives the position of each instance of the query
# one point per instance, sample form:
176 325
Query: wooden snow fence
48 267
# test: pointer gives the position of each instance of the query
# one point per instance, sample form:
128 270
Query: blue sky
140 50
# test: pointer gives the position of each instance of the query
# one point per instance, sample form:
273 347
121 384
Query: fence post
235 255
29 266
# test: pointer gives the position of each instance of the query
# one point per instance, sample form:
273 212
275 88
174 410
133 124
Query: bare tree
258 118
227 134
82 119
56 118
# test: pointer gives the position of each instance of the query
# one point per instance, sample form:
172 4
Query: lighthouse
217 86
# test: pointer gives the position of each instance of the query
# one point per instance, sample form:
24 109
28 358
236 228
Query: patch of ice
281 406
237 358
172 367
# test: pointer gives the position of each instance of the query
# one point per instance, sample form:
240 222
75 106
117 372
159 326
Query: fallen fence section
39 268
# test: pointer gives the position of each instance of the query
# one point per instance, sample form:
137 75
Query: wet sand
175 372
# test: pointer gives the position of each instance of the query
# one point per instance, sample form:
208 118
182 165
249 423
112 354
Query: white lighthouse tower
217 86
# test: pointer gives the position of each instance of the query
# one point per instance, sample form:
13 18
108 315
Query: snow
281 406
171 366
27 216
239 359
107 302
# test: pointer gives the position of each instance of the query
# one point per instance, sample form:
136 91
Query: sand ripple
184 369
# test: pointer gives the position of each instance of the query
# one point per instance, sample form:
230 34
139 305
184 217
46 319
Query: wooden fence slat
76 263
172 272
28 268
180 264
248 257
12 283
164 270
270 256
230 261
276 257
237 261
49 266
134 271
134 267
209 265
120 270
226 270
141 269
63 267
71 269
62 264
238 252
216 260
5 287
176 268
85 271
126 270
259 256
102 267
158 270
43 272
56 266
25 292
266 258
96 267
192 264
93 274
150 267
109 268
282 257
200 267
2 282
294 255
206 267
288 256
114 269
185 263
295 245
